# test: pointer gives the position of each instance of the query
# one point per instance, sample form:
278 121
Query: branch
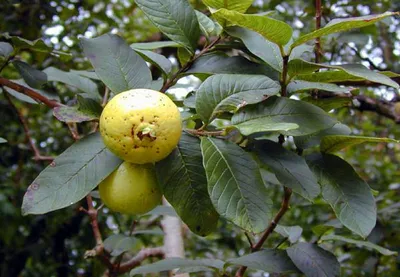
271 227
29 92
140 257
318 14
38 156
174 78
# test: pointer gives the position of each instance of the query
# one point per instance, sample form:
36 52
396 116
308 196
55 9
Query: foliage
268 114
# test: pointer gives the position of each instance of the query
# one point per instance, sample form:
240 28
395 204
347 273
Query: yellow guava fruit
131 189
141 126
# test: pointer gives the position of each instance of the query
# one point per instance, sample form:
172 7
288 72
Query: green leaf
86 73
207 26
182 179
229 92
313 260
334 143
26 98
235 185
298 85
74 80
298 52
233 5
117 65
158 60
293 233
322 229
3 140
301 67
291 117
33 77
304 142
336 76
155 45
340 25
86 110
290 169
184 56
259 46
163 210
268 260
328 104
219 62
6 49
148 232
70 177
349 196
175 18
118 244
175 263
360 243
274 30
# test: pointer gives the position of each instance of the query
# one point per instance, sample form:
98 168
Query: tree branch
318 14
38 156
29 92
140 257
271 227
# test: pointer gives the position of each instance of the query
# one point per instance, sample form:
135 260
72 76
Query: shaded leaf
360 243
298 51
184 56
229 92
268 260
299 85
175 18
234 5
207 26
259 46
182 179
274 30
33 77
340 25
291 117
235 184
314 261
349 196
116 64
86 110
158 60
334 143
290 169
118 244
328 104
175 263
70 177
86 73
219 62
5 49
293 233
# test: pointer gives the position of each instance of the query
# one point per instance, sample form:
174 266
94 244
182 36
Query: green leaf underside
153 45
328 104
174 263
268 260
158 60
331 144
293 233
229 92
349 196
207 26
340 25
302 118
290 169
116 64
175 18
314 261
86 73
118 244
220 63
235 185
361 243
299 67
33 77
299 85
74 80
259 46
183 181
70 177
304 142
86 110
26 98
274 30
233 5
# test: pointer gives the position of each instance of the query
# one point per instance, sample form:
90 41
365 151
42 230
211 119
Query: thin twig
283 80
199 132
318 15
105 96
271 227
30 92
38 156
170 82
